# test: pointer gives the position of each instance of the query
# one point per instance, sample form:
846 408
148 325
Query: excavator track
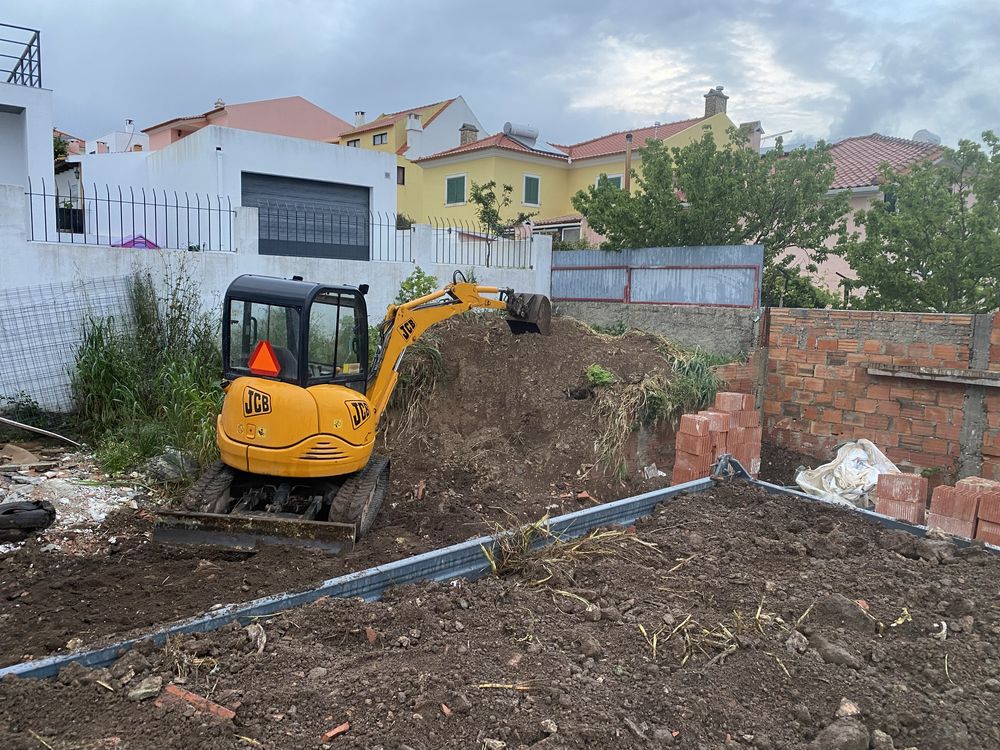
359 498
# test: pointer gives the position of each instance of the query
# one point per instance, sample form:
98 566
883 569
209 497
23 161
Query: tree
707 194
933 243
59 147
488 206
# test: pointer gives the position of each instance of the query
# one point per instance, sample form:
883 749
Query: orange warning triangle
263 361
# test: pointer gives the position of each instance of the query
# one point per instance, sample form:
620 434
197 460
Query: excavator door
529 313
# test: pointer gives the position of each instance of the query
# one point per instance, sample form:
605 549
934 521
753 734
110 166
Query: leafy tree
417 284
934 242
59 147
489 207
707 194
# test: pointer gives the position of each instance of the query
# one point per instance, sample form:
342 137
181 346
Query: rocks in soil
840 612
148 688
590 646
843 734
317 673
834 653
881 741
847 708
172 465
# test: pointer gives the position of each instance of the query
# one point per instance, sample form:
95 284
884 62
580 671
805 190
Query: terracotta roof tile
857 160
500 140
614 143
568 219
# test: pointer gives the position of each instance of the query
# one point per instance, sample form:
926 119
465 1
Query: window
380 139
454 189
253 322
570 234
400 175
334 338
355 143
532 188
614 179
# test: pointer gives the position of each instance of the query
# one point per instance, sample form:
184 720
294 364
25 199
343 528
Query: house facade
858 163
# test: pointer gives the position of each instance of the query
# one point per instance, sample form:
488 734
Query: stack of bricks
732 426
970 509
902 496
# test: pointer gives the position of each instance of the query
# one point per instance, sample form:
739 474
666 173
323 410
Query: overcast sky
573 69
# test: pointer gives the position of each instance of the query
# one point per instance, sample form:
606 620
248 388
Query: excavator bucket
246 532
529 313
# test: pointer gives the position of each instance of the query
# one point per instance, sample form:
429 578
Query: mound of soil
730 619
502 438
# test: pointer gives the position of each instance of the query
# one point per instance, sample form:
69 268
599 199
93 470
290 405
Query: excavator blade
247 532
529 313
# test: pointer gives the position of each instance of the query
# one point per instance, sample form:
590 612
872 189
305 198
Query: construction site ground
505 436
730 619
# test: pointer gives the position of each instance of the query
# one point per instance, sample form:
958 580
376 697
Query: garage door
309 218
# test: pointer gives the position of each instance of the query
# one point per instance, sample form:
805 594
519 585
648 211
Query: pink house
291 115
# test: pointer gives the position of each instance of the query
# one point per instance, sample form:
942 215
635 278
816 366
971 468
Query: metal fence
126 217
722 276
41 329
464 243
288 228
20 55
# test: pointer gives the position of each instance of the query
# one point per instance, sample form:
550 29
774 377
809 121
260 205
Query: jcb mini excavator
303 405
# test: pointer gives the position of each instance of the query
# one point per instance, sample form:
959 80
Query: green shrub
614 329
417 284
151 380
599 376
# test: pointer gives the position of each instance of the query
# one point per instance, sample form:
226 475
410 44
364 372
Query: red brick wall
991 435
818 394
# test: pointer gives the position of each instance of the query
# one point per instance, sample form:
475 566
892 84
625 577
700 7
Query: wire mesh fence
118 216
41 329
466 243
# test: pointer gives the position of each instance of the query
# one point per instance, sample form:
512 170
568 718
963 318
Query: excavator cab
303 403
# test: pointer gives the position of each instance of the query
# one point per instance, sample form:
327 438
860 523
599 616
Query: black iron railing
466 243
20 55
347 233
126 217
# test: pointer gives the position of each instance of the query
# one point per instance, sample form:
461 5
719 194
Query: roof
858 160
557 220
242 107
387 120
614 143
172 120
501 141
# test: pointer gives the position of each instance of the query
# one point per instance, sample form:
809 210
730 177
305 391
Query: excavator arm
404 324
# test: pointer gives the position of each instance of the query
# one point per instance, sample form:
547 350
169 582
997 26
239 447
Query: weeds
599 376
614 329
151 380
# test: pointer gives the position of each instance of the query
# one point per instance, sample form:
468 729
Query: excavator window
335 340
253 322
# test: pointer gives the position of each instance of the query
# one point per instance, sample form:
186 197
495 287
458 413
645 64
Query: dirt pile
731 619
499 439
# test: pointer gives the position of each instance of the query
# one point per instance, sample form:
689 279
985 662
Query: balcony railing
20 56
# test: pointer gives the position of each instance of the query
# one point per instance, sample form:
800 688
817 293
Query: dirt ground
730 619
501 438
779 465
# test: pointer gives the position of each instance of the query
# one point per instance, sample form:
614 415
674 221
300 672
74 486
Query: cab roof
272 290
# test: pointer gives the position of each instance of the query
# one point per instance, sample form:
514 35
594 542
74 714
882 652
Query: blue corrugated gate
722 276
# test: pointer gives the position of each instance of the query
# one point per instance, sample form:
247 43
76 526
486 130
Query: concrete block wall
818 393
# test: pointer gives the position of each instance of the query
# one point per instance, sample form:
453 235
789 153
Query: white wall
119 141
25 135
443 133
211 161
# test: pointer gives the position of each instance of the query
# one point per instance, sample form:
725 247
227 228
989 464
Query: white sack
850 477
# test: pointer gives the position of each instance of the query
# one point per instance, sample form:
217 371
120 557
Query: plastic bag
850 477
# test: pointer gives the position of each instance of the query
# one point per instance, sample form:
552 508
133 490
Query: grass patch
599 376
151 380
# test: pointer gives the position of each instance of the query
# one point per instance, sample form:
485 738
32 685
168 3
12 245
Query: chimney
414 136
467 134
102 147
715 102
753 132
219 104
359 118
137 147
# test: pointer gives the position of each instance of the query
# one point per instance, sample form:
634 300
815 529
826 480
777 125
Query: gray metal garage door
309 218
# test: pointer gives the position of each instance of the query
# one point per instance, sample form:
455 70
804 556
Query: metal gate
309 218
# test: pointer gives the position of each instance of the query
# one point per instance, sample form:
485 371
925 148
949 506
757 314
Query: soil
780 465
729 619
505 435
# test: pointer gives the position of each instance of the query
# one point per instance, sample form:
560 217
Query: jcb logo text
407 329
360 411
255 402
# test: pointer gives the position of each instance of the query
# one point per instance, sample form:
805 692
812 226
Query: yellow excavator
303 403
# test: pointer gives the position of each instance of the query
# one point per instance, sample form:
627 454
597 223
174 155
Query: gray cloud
574 69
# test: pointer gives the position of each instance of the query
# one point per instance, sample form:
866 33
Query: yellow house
546 176
411 134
